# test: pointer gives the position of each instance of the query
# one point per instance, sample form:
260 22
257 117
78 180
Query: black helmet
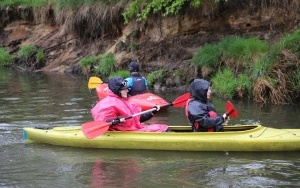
116 84
134 67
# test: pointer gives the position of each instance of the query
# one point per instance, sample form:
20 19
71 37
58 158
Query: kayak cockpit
230 128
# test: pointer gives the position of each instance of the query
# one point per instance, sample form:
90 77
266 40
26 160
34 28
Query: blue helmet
134 67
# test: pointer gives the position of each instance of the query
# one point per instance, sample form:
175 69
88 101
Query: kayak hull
145 100
235 138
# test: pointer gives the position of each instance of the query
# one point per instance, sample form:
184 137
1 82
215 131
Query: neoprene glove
117 120
157 109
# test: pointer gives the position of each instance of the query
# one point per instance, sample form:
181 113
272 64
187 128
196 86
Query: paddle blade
94 82
230 110
94 128
181 100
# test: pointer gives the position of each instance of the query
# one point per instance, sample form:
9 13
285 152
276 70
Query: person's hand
157 109
118 120
226 119
225 116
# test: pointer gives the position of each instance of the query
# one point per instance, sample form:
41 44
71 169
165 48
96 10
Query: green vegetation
31 57
26 51
155 76
238 67
143 8
208 56
87 63
248 67
59 3
24 2
5 58
103 64
106 65
122 73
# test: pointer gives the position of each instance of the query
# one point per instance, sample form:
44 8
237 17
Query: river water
48 100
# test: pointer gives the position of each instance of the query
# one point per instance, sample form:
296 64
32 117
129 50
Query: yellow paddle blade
94 82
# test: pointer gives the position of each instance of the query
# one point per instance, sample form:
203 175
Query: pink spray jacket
113 106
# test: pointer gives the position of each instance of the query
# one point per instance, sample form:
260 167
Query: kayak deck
235 138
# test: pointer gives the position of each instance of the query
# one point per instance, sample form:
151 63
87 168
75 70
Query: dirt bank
166 43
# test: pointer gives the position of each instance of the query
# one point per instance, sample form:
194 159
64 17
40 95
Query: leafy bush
155 76
142 8
5 58
106 65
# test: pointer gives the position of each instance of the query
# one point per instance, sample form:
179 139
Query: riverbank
165 43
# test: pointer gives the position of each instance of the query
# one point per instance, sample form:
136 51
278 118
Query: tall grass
26 51
5 58
34 3
225 83
106 64
243 49
121 73
208 56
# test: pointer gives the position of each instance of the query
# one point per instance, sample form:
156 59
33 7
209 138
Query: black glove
154 111
117 120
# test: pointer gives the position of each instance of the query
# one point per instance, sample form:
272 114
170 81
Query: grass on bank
248 67
272 71
5 58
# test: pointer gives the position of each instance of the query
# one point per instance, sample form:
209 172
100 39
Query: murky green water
47 100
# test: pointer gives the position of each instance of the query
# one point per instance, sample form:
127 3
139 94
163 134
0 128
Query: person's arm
145 117
200 115
116 121
149 115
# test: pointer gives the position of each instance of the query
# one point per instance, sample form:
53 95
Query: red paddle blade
230 110
181 101
93 129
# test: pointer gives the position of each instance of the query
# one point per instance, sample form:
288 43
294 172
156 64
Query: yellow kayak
235 138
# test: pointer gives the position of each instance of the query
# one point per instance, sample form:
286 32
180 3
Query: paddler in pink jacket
115 107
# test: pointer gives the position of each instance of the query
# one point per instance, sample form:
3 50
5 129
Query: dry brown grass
277 87
88 22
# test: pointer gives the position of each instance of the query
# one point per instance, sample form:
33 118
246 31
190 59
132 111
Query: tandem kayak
235 138
145 100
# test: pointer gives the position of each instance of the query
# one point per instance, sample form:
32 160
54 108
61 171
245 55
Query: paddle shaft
146 111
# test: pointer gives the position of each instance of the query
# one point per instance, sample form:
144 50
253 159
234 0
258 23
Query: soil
167 43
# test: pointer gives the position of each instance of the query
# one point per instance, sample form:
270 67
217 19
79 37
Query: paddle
96 128
230 110
94 82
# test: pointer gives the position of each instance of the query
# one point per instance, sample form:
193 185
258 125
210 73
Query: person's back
137 84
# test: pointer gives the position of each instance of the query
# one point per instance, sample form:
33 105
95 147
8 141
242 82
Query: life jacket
138 85
195 125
